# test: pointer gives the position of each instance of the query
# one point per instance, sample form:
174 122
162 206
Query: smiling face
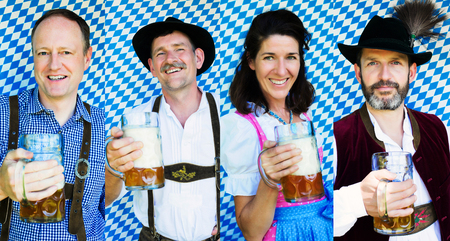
384 77
59 61
276 66
174 62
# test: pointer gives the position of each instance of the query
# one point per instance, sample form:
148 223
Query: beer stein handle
108 167
264 177
381 200
20 181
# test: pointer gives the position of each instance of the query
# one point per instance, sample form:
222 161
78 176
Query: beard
384 102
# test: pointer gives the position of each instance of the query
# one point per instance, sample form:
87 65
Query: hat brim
143 39
350 52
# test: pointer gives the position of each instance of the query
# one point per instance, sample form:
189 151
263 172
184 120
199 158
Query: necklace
291 116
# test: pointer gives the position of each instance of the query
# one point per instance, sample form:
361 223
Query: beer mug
306 183
399 163
50 209
148 170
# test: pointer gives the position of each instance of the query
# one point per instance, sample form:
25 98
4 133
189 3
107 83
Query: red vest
356 142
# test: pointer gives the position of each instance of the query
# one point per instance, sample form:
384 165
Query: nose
55 61
171 57
385 73
281 68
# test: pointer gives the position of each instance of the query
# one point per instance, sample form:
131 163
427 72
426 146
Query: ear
199 57
87 58
152 68
412 72
357 72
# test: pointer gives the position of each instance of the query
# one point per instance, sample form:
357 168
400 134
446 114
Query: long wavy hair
245 86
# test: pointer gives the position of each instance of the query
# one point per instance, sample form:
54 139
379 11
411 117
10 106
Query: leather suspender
76 223
6 204
216 135
71 191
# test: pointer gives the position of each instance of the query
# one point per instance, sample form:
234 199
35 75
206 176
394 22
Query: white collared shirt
183 211
348 203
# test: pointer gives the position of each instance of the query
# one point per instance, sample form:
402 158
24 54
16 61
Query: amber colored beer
47 210
395 226
145 178
302 188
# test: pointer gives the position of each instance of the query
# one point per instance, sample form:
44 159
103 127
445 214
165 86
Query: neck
63 108
279 108
390 122
183 104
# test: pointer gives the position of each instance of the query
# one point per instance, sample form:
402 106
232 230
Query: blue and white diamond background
117 81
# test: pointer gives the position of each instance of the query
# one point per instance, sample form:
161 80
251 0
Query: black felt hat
386 34
143 39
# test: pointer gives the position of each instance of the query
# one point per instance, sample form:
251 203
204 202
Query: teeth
57 77
173 70
278 82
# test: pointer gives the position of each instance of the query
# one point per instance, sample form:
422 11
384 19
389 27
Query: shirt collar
380 135
36 107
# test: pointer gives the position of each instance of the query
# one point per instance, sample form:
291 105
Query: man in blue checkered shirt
61 51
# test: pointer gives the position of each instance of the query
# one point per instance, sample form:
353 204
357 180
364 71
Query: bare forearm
256 216
113 187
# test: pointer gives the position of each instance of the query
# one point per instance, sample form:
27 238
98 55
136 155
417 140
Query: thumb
384 174
269 144
116 132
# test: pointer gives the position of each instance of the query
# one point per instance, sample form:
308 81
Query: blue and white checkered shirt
34 118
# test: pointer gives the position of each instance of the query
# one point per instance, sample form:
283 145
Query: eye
268 58
42 53
371 63
179 49
396 63
292 57
159 54
66 52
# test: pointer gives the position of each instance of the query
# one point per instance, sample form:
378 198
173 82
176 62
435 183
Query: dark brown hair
70 16
245 87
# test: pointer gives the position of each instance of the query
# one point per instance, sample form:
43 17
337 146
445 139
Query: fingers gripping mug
399 163
50 209
306 183
148 170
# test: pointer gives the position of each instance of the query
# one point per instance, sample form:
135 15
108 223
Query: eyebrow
270 53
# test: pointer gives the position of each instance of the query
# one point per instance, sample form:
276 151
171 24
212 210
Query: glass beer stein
306 183
399 163
148 170
50 209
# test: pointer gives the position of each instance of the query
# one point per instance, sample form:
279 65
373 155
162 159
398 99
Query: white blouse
239 150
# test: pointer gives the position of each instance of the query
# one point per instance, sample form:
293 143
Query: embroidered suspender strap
6 204
76 224
178 172
151 207
216 135
424 216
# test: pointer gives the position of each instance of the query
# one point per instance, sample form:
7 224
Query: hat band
388 44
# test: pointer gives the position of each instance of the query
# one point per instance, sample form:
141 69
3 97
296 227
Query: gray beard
385 103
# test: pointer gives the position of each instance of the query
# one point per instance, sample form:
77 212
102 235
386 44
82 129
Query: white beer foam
152 156
310 164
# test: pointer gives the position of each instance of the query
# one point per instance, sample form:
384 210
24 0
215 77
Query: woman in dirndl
270 89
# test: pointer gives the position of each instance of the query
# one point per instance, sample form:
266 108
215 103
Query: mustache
383 83
174 65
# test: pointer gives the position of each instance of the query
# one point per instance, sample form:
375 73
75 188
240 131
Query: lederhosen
356 142
71 191
202 172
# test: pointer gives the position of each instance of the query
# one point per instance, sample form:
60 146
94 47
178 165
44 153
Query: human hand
40 177
122 152
279 161
399 195
214 232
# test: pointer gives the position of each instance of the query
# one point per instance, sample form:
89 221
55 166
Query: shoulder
145 107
